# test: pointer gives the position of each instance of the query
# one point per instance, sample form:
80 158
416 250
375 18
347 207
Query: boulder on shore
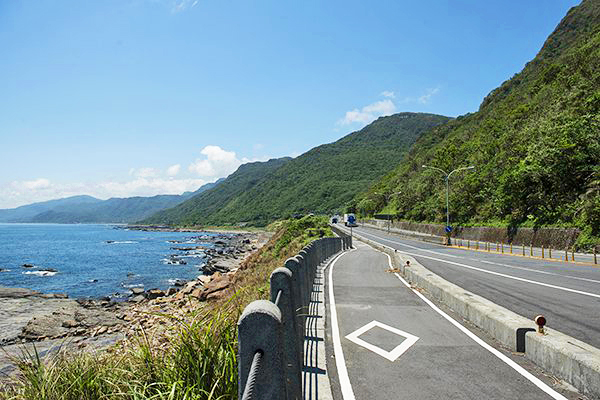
154 294
137 299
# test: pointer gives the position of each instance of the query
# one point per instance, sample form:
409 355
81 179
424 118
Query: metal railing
271 333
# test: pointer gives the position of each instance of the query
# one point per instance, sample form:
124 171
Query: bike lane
391 344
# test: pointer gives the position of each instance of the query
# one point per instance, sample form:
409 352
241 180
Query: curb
570 359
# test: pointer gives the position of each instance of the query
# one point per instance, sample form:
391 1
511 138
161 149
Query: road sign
448 229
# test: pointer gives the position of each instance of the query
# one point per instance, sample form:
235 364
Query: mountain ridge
319 181
88 209
534 142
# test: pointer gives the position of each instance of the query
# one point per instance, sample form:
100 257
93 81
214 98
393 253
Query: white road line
340 361
537 382
409 340
488 271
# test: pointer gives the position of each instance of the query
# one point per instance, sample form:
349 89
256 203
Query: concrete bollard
298 285
302 258
281 285
260 329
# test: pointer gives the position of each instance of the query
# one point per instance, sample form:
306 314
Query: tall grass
199 362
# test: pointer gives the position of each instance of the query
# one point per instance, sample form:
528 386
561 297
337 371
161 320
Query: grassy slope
320 180
534 141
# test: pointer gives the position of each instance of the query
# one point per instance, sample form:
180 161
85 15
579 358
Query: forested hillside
196 210
319 181
535 143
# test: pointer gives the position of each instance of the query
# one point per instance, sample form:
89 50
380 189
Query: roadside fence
271 333
567 254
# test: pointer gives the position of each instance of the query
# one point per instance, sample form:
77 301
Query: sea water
92 260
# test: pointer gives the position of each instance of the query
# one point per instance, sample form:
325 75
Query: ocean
91 261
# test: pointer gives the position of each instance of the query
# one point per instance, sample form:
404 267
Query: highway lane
567 294
390 343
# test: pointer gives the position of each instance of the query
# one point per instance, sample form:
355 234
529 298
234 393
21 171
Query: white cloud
18 193
218 163
143 181
173 170
34 185
145 187
145 172
258 146
387 93
368 113
182 5
426 98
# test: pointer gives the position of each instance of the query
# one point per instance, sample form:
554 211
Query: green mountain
318 181
535 142
87 209
195 210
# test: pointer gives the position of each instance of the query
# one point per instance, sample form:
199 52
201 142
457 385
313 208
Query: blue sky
140 97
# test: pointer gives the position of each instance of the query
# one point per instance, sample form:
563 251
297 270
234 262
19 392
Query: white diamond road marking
390 355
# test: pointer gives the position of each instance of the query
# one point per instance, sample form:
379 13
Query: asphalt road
390 344
567 294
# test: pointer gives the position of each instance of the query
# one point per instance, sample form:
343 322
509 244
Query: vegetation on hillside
195 359
319 181
535 142
198 209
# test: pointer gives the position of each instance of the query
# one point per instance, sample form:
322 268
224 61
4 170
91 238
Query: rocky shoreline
53 321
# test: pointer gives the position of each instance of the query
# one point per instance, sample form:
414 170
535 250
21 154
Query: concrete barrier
569 359
259 331
271 333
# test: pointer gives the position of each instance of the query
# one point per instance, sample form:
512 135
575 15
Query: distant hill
27 212
535 142
87 209
195 209
320 180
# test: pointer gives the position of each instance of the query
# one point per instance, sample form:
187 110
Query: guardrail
501 247
271 333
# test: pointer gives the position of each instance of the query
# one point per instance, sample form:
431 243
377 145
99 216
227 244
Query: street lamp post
447 191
